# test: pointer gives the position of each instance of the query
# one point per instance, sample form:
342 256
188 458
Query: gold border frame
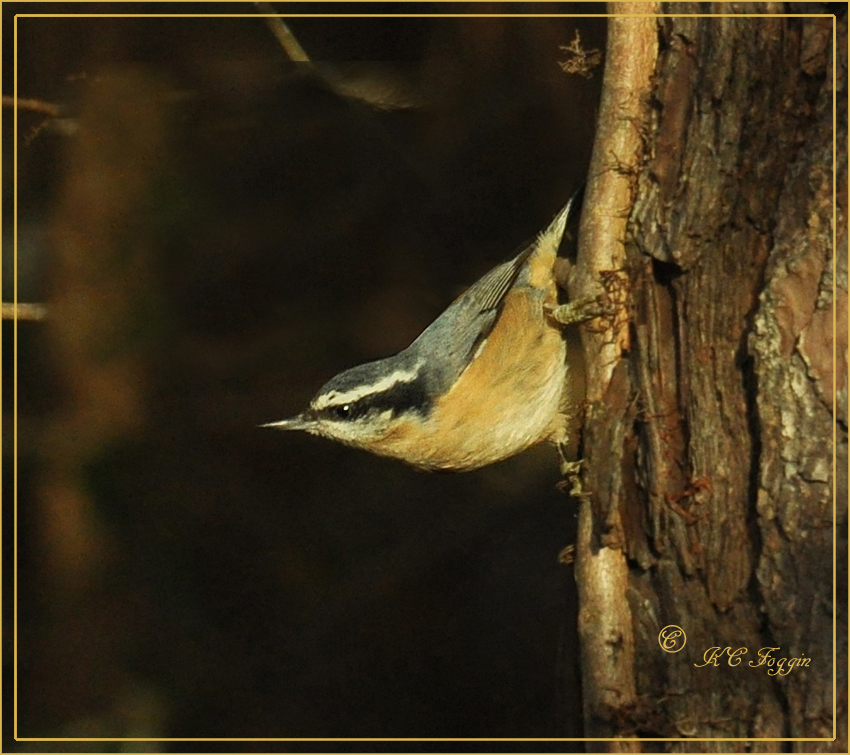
415 739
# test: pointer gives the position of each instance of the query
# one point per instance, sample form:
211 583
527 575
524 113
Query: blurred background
216 231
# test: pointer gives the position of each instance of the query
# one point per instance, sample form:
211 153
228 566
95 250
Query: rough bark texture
709 445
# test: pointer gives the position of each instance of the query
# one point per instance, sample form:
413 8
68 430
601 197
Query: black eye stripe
400 398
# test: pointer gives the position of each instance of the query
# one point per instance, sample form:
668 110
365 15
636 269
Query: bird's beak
299 422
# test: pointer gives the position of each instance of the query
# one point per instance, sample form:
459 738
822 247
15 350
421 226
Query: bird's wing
458 332
455 337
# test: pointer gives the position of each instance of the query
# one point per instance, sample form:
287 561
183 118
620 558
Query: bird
484 381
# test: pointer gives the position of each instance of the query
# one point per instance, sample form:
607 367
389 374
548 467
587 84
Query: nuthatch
484 381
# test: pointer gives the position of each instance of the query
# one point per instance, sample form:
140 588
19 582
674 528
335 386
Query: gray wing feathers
447 345
453 336
489 291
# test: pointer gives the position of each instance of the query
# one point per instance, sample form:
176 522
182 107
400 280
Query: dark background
217 232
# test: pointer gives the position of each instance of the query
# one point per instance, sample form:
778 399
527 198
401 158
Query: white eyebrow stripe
335 398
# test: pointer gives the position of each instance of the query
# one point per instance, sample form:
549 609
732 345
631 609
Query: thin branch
283 34
24 311
605 621
375 86
33 106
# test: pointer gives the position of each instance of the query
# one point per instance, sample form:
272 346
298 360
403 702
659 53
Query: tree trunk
715 439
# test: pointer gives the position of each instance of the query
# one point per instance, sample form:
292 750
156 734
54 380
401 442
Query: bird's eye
343 411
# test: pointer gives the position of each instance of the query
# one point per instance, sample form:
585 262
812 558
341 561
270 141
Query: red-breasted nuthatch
484 381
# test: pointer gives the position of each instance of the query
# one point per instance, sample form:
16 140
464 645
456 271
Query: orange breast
509 398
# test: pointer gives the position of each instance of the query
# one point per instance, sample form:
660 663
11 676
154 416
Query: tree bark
716 429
